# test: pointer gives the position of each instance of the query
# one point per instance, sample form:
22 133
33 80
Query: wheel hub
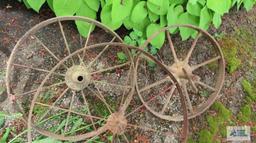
117 123
181 70
77 77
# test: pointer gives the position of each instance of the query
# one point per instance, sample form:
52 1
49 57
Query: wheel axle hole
80 78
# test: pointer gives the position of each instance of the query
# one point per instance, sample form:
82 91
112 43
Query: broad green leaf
156 2
47 140
219 6
205 18
36 4
194 9
248 4
187 18
139 12
163 21
82 26
128 23
141 26
106 18
158 41
50 4
193 1
172 16
122 57
177 2
66 7
160 9
26 4
121 9
216 20
102 3
202 2
152 16
93 4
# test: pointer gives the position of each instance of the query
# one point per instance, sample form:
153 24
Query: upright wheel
197 64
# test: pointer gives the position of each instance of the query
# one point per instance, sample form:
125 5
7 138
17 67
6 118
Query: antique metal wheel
118 122
60 82
199 69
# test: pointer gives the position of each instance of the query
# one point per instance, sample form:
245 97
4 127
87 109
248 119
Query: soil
15 20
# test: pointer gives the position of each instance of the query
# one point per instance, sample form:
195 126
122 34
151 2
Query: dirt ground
15 20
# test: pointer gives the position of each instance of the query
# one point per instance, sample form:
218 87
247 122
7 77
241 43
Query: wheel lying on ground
199 70
75 89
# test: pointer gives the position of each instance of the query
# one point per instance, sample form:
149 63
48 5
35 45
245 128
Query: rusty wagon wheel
59 82
118 122
199 69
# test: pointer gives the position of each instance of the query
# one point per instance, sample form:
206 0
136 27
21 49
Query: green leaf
160 9
205 18
152 16
158 41
66 7
82 26
36 4
47 140
26 4
5 136
193 1
248 4
128 23
93 4
187 18
163 21
219 6
194 9
76 125
139 12
50 4
106 18
121 9
177 2
122 57
141 26
202 2
172 16
156 2
216 20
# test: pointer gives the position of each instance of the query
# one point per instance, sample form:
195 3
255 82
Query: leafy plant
146 16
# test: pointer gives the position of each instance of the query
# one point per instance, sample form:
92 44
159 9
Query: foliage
146 16
249 90
230 50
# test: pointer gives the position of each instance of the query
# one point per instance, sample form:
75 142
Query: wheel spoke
70 107
66 110
190 80
192 47
125 137
65 39
150 100
54 103
168 100
111 84
89 112
205 63
37 69
34 90
143 128
205 85
184 86
111 68
101 97
174 54
87 40
104 49
154 84
127 81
